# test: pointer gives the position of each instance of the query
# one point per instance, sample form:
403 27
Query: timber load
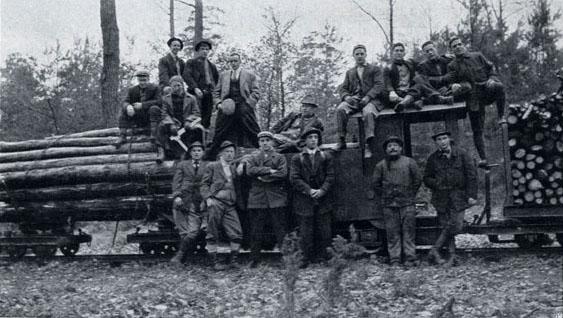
82 176
535 140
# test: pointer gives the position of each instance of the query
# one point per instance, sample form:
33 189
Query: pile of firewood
535 132
82 176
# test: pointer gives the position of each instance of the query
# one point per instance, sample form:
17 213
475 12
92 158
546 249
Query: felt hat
142 73
226 144
195 144
172 39
312 131
440 133
392 139
203 41
227 106
265 134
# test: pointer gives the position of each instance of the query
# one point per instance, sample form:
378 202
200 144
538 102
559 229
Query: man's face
196 153
175 47
430 51
398 53
457 47
393 149
234 62
360 56
443 142
143 81
266 143
312 141
203 50
307 109
177 87
228 154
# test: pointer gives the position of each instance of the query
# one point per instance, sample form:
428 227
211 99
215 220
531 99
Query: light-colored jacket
248 87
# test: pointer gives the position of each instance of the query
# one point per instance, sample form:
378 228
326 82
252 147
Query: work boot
418 105
407 101
159 154
154 127
341 145
122 138
448 100
435 256
182 251
234 260
217 265
368 154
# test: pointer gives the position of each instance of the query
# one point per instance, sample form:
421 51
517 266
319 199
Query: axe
178 138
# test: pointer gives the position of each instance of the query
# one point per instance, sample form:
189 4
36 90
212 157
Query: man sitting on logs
220 191
472 70
180 115
288 130
187 208
361 91
170 65
141 108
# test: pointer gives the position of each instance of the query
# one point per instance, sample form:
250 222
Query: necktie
196 166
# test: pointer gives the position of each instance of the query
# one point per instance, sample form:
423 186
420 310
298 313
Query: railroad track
117 259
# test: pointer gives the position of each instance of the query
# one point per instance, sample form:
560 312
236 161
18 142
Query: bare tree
109 80
388 34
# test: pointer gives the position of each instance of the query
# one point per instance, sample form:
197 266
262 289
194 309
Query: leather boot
234 260
407 101
418 105
154 127
122 138
159 154
448 100
217 265
182 251
435 256
452 261
341 145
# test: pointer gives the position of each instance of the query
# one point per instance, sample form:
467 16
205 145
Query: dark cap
226 144
172 39
265 134
359 46
392 139
195 144
309 100
312 131
440 133
203 41
142 73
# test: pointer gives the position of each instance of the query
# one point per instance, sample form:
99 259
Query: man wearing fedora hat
362 91
170 64
267 198
396 182
312 179
288 130
201 75
141 108
451 176
220 190
187 207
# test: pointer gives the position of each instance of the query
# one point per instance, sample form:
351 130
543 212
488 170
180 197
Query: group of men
206 194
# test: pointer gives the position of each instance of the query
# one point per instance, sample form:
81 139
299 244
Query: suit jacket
186 183
472 67
190 111
248 87
214 180
194 75
435 71
303 175
151 97
371 85
167 69
288 120
267 190
391 74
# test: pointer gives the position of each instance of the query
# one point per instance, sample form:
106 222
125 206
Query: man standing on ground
312 178
396 181
267 199
362 91
451 176
170 65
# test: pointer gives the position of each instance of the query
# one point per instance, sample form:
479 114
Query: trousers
400 225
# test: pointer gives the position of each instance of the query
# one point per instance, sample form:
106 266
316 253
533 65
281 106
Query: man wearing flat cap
187 207
201 76
362 91
312 179
451 176
140 109
396 181
288 130
267 198
170 65
220 191
179 110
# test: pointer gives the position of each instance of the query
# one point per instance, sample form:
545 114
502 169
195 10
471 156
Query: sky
30 26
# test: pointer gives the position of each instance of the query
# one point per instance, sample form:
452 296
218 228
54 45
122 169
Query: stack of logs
82 176
535 132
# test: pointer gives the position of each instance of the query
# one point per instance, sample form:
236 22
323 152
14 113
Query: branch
374 19
186 3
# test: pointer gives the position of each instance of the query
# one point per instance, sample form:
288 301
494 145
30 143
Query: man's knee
343 108
154 113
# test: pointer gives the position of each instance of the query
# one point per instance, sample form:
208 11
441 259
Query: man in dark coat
312 179
363 91
220 192
170 65
179 110
399 78
451 176
288 130
201 76
140 109
474 70
396 181
434 70
187 207
267 198
236 96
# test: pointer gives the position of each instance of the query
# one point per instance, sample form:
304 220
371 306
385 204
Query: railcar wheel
532 240
44 250
70 249
168 249
16 251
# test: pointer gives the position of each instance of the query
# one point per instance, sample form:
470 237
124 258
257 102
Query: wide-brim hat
226 144
312 131
203 41
309 100
440 133
195 144
266 134
227 106
142 73
389 139
172 39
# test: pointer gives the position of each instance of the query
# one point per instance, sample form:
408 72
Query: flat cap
142 73
440 133
359 46
312 131
389 139
226 144
195 144
265 134
309 100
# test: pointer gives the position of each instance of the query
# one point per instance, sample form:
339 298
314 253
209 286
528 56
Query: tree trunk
171 16
391 29
62 142
109 80
198 23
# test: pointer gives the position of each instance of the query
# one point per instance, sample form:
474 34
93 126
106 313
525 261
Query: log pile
535 140
82 176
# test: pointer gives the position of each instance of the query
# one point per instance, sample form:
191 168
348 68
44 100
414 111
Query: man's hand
456 87
471 201
314 193
365 100
393 97
240 169
130 110
166 90
173 130
273 171
198 93
490 83
319 194
138 106
177 203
